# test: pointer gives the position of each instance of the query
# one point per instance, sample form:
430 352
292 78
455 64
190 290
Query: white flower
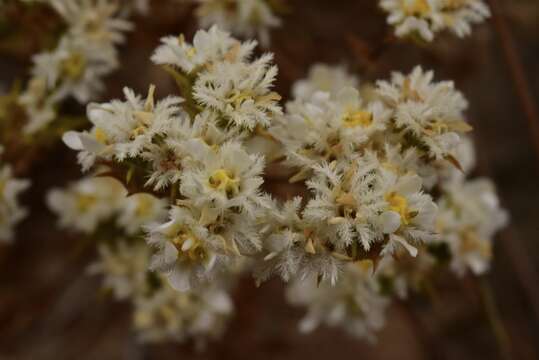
353 304
292 247
459 15
75 68
84 55
324 128
93 20
209 47
193 246
180 144
469 217
409 217
411 16
139 210
427 115
124 267
122 129
168 315
399 275
87 203
366 204
246 18
465 157
240 92
11 212
325 78
410 161
225 178
348 203
427 17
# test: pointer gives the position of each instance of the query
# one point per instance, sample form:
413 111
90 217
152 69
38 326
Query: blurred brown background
50 309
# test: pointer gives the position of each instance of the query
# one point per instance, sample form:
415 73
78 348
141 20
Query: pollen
416 7
399 204
358 118
73 67
100 135
471 242
238 97
85 202
144 206
223 180
189 247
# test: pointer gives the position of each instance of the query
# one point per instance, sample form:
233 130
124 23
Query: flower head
427 115
469 217
354 303
208 47
85 204
123 129
247 18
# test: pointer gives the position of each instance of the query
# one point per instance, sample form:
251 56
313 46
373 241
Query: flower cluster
425 18
355 303
384 169
470 215
11 211
101 208
85 53
374 157
246 18
195 147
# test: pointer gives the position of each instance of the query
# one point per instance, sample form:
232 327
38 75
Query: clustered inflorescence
384 167
424 18
174 191
75 68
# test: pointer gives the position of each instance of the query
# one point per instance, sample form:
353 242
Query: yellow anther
144 206
223 180
73 67
140 130
85 202
358 118
194 252
100 135
399 204
238 97
471 242
416 7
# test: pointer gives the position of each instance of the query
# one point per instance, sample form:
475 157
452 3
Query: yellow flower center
73 67
399 204
454 4
238 97
144 117
436 127
224 180
85 202
100 135
416 7
358 118
195 252
144 206
471 242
